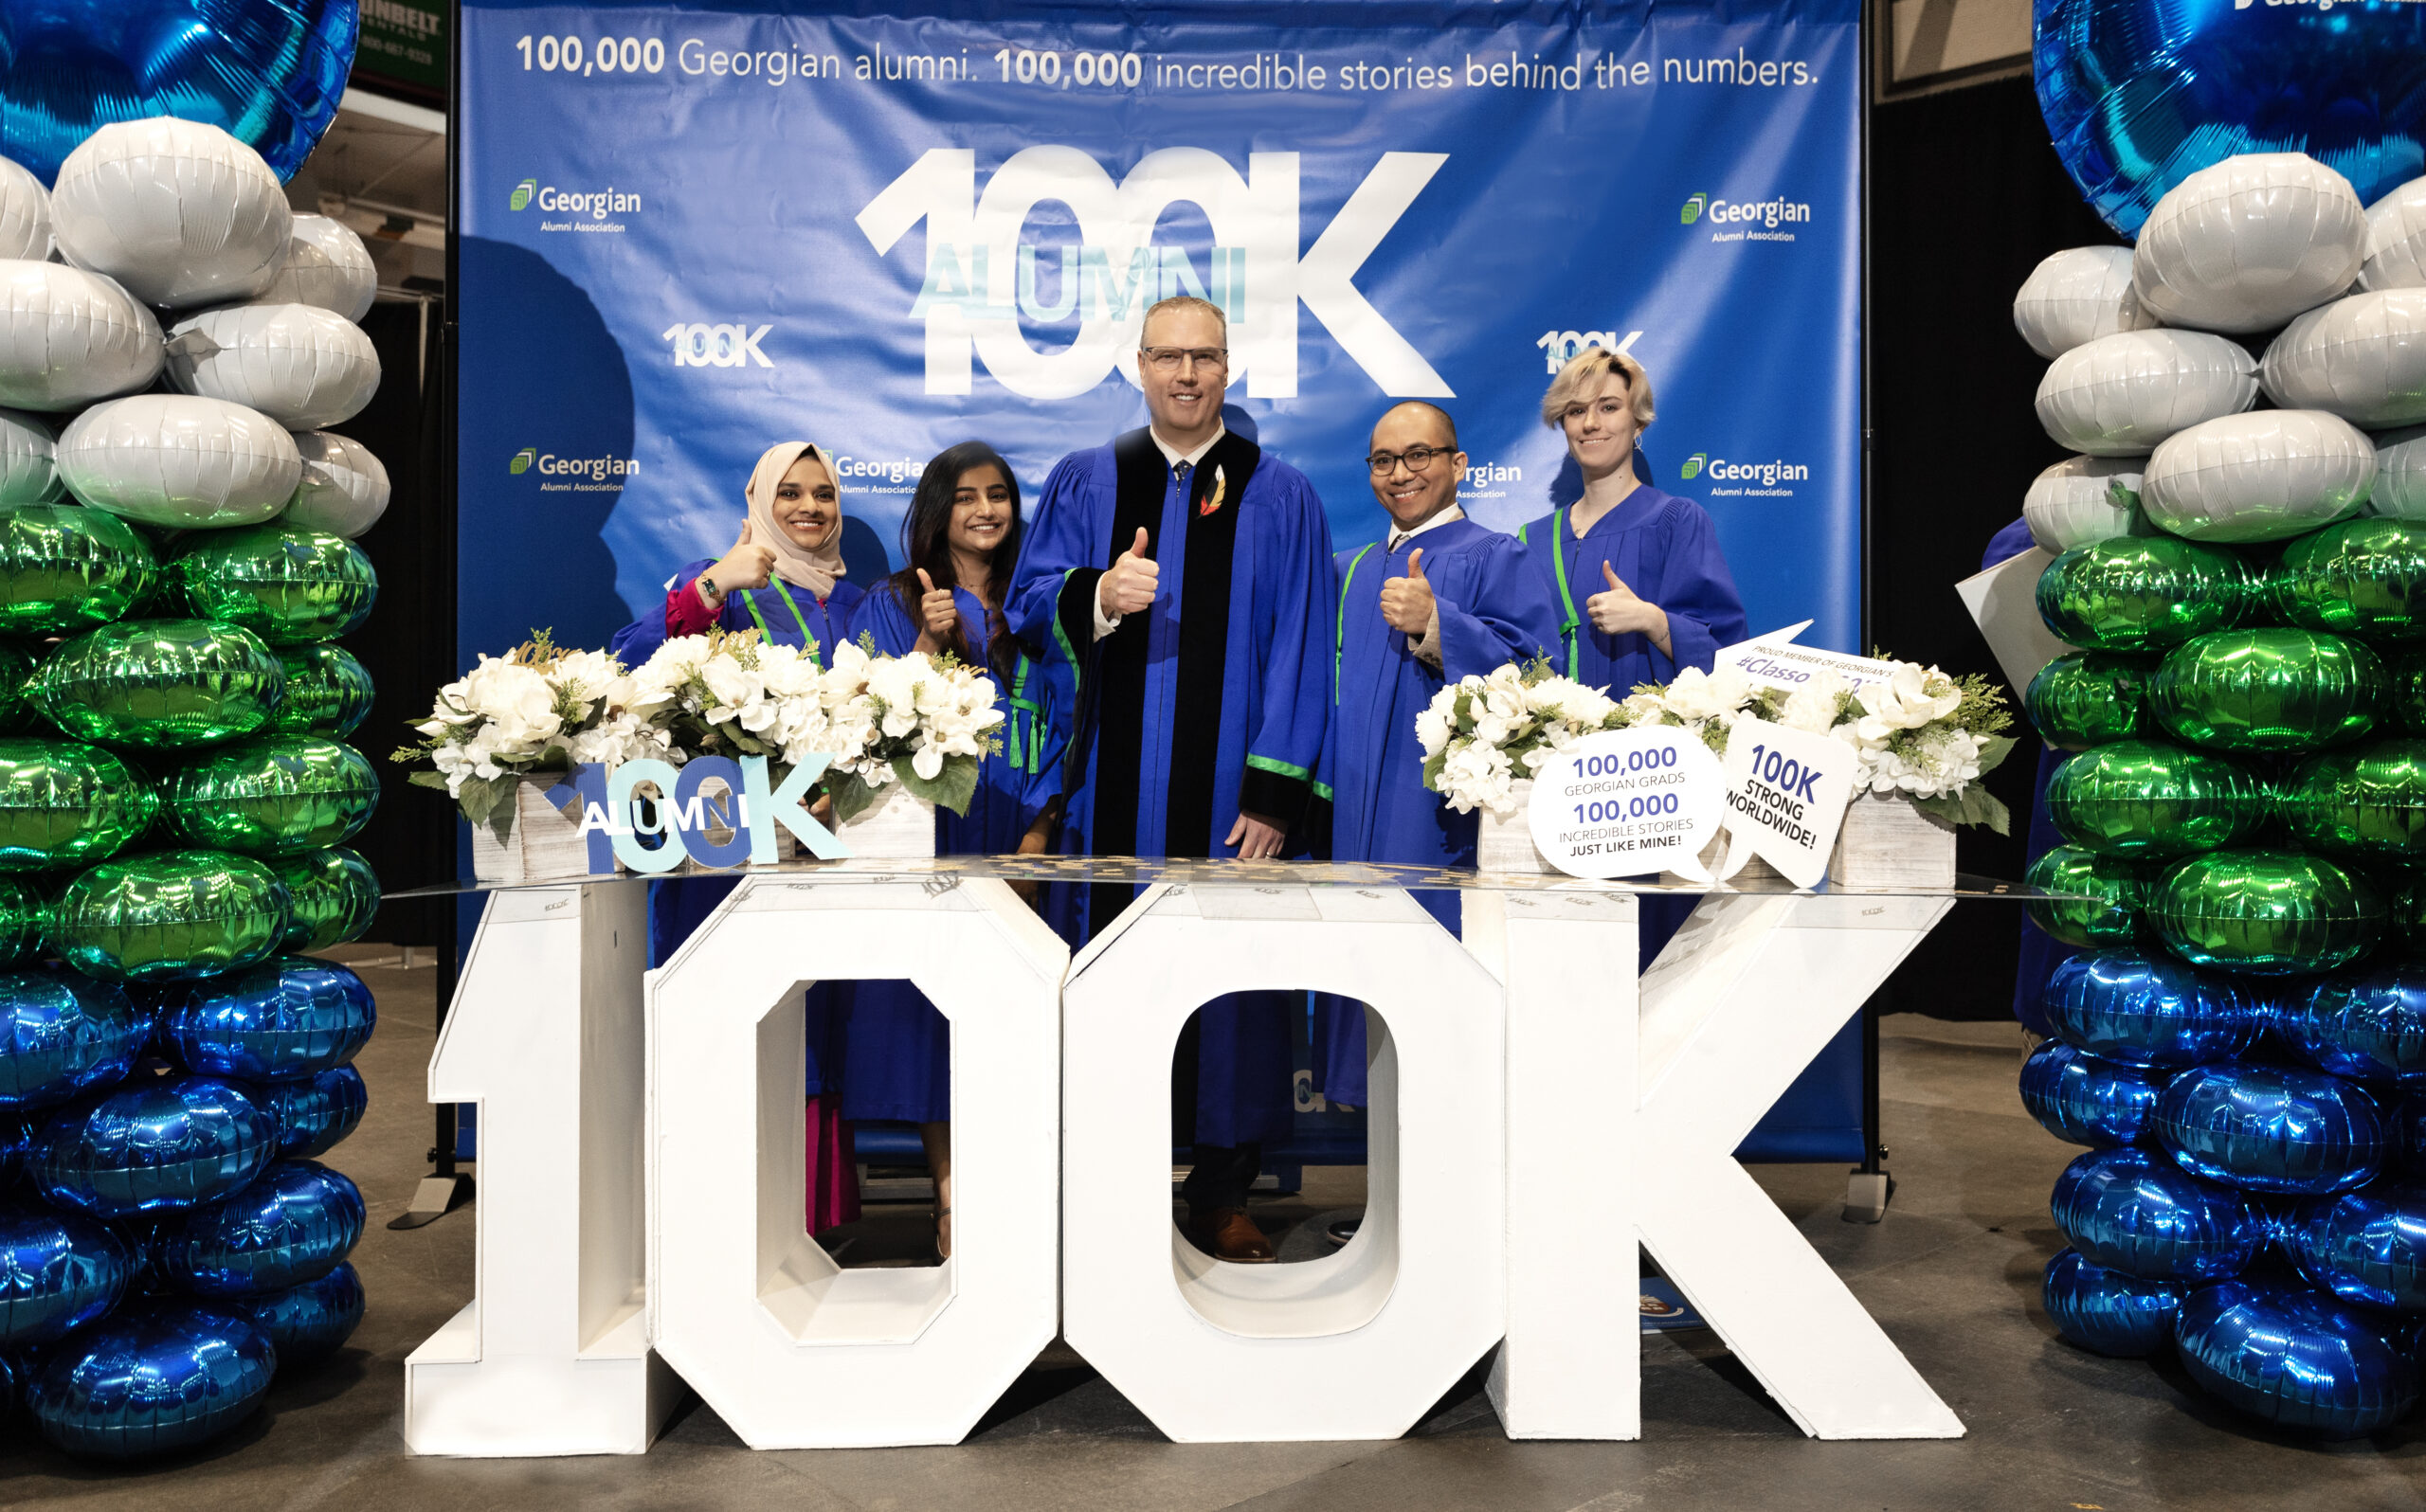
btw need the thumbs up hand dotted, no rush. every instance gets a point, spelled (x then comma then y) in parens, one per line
(749, 565)
(1134, 581)
(937, 613)
(1619, 611)
(1408, 602)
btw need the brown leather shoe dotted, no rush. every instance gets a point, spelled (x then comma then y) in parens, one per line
(1229, 1233)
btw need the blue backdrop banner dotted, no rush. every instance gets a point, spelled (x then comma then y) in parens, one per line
(689, 231)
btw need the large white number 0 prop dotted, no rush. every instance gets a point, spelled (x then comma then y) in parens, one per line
(551, 1355)
(1356, 1344)
(794, 1352)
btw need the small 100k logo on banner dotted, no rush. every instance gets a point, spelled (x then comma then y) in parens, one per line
(697, 344)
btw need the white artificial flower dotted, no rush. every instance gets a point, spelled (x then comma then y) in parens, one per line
(1813, 705)
(735, 687)
(1694, 694)
(1433, 725)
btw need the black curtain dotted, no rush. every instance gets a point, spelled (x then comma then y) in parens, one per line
(1966, 196)
(407, 642)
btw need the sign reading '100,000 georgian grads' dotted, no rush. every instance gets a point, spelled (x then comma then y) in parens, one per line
(689, 231)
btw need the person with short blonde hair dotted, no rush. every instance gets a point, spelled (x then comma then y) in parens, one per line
(1635, 576)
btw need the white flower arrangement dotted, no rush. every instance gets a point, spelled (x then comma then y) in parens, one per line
(923, 721)
(1483, 735)
(531, 715)
(1921, 734)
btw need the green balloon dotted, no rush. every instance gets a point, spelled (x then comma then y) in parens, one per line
(2266, 912)
(23, 916)
(335, 894)
(2406, 692)
(64, 568)
(2268, 690)
(285, 583)
(17, 664)
(2405, 914)
(274, 794)
(2088, 698)
(328, 691)
(2362, 577)
(2104, 901)
(2142, 800)
(163, 683)
(65, 804)
(2143, 592)
(170, 916)
(2370, 799)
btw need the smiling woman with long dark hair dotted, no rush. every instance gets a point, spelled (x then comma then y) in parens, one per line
(959, 542)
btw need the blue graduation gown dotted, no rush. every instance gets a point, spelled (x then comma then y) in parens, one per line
(2041, 952)
(895, 1048)
(1209, 702)
(1665, 548)
(1492, 613)
(793, 617)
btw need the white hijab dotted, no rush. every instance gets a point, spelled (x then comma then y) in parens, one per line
(812, 568)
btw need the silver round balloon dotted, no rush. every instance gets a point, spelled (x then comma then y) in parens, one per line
(2264, 476)
(344, 490)
(69, 338)
(24, 214)
(2399, 493)
(297, 363)
(180, 460)
(2083, 499)
(179, 211)
(29, 460)
(2120, 395)
(2362, 358)
(326, 265)
(2396, 256)
(2077, 296)
(2250, 243)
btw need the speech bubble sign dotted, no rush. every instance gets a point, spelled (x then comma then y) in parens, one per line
(1774, 659)
(1785, 797)
(1624, 802)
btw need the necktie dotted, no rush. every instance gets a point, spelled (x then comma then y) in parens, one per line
(1179, 469)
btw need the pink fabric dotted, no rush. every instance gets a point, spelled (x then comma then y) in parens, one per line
(833, 1174)
(686, 613)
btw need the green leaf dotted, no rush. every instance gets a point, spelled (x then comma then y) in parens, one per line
(851, 794)
(1432, 766)
(489, 801)
(1993, 750)
(1976, 806)
(436, 780)
(952, 789)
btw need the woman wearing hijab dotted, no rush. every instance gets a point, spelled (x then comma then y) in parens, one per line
(783, 578)
(960, 540)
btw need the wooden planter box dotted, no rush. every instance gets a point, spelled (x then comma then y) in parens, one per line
(899, 826)
(545, 843)
(1888, 844)
(1506, 844)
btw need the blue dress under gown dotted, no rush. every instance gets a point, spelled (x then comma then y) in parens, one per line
(1666, 549)
(788, 616)
(896, 1049)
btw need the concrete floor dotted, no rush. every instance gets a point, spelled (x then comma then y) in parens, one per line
(1952, 1274)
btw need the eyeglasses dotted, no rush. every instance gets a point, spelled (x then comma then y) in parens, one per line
(1168, 359)
(1415, 457)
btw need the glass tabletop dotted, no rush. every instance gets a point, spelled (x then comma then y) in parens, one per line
(1141, 871)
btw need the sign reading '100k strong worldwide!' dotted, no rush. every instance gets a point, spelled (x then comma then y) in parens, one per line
(691, 232)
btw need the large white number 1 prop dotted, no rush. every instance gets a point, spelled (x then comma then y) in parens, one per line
(551, 1355)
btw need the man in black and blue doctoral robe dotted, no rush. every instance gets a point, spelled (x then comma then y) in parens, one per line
(1187, 577)
(1438, 599)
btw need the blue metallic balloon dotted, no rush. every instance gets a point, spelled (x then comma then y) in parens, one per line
(2406, 1134)
(296, 1222)
(2300, 1360)
(2083, 1100)
(15, 1134)
(287, 1018)
(2368, 1246)
(2139, 1010)
(2141, 93)
(2137, 1212)
(2370, 1026)
(270, 73)
(62, 1033)
(312, 1320)
(58, 1271)
(314, 1116)
(167, 1142)
(2110, 1311)
(2271, 1128)
(160, 1376)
